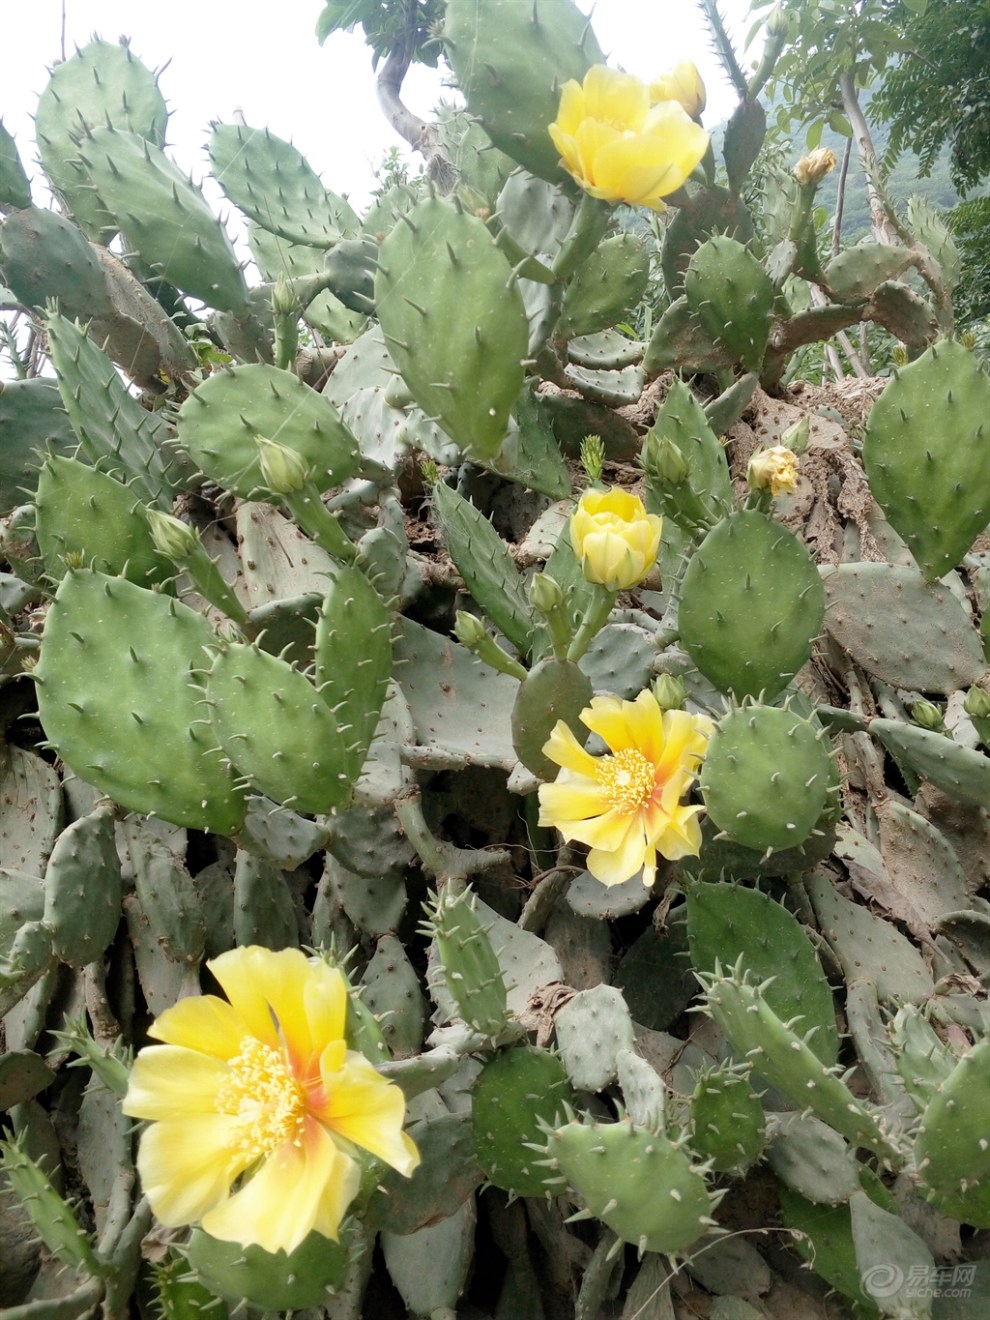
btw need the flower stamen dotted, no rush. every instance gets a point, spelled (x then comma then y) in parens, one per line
(628, 778)
(261, 1090)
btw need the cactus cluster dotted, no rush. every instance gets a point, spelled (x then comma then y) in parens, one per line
(300, 637)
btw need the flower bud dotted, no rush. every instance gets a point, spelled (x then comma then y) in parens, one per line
(285, 300)
(469, 630)
(682, 84)
(545, 593)
(977, 704)
(664, 461)
(593, 457)
(813, 167)
(172, 537)
(927, 716)
(670, 692)
(773, 469)
(614, 538)
(284, 470)
(796, 437)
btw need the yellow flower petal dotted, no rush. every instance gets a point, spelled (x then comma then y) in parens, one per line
(616, 867)
(202, 1022)
(296, 1186)
(170, 1082)
(366, 1109)
(568, 799)
(564, 750)
(187, 1167)
(614, 97)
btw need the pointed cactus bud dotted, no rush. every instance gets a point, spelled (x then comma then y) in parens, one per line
(283, 469)
(593, 457)
(670, 692)
(977, 707)
(811, 169)
(664, 461)
(472, 633)
(469, 630)
(796, 437)
(928, 716)
(545, 593)
(285, 301)
(773, 469)
(172, 537)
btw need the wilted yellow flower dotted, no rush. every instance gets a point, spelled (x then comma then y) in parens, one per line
(256, 1105)
(614, 537)
(619, 146)
(627, 805)
(813, 167)
(682, 84)
(774, 469)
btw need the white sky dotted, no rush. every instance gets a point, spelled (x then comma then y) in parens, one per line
(264, 60)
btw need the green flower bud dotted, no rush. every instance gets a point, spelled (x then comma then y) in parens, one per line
(283, 469)
(172, 537)
(927, 716)
(977, 704)
(670, 692)
(593, 457)
(796, 437)
(664, 461)
(285, 301)
(469, 630)
(545, 593)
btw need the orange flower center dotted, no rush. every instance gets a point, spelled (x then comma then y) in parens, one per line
(628, 779)
(261, 1090)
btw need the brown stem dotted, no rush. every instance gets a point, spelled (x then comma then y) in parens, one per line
(420, 135)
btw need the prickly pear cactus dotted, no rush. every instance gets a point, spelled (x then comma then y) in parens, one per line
(486, 559)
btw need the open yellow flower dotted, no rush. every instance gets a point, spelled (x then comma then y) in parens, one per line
(256, 1105)
(627, 805)
(614, 538)
(618, 145)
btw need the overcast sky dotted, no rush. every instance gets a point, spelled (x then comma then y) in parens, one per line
(265, 61)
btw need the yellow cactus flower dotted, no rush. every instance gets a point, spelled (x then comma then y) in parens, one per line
(256, 1105)
(813, 167)
(774, 469)
(614, 537)
(627, 806)
(682, 84)
(620, 147)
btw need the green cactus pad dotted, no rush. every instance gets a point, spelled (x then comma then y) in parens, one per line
(118, 704)
(510, 61)
(454, 322)
(752, 603)
(645, 1187)
(126, 440)
(519, 1091)
(679, 341)
(220, 421)
(45, 256)
(273, 184)
(552, 690)
(471, 969)
(592, 1028)
(353, 659)
(925, 454)
(952, 1150)
(959, 771)
(277, 730)
(164, 217)
(482, 559)
(83, 889)
(732, 296)
(727, 1121)
(856, 272)
(780, 1056)
(279, 1281)
(102, 83)
(89, 518)
(727, 922)
(765, 777)
(606, 288)
(32, 422)
(54, 1219)
(15, 187)
(888, 619)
